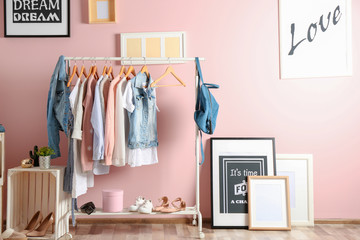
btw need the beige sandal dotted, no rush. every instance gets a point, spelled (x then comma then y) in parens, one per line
(176, 208)
(164, 204)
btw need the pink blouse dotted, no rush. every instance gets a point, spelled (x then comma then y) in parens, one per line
(88, 131)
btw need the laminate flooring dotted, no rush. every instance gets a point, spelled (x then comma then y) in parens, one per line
(121, 231)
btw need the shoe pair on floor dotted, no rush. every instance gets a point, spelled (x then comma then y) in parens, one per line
(143, 205)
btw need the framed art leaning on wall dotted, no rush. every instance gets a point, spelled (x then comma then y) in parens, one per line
(232, 160)
(269, 205)
(299, 169)
(46, 18)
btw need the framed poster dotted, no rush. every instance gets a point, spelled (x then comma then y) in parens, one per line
(299, 169)
(232, 160)
(152, 45)
(45, 18)
(269, 205)
(315, 38)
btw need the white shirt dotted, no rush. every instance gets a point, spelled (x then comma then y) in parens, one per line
(98, 137)
(138, 156)
(121, 124)
(73, 95)
(78, 112)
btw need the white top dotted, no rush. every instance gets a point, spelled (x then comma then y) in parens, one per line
(121, 125)
(78, 113)
(138, 156)
(102, 101)
(98, 137)
(73, 95)
(81, 181)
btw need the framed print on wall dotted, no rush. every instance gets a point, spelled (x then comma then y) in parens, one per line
(152, 45)
(299, 169)
(315, 38)
(45, 18)
(269, 205)
(232, 160)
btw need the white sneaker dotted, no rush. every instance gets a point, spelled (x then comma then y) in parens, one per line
(146, 207)
(139, 201)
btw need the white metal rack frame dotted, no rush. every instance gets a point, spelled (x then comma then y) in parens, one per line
(195, 211)
(2, 167)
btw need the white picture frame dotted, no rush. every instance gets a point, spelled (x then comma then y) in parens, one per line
(299, 169)
(253, 152)
(269, 203)
(315, 38)
(142, 37)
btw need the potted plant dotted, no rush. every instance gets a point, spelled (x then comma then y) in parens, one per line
(44, 156)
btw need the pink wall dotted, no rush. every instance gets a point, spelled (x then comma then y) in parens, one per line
(240, 43)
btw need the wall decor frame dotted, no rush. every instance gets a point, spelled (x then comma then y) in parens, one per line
(48, 18)
(232, 160)
(102, 11)
(152, 45)
(299, 169)
(269, 203)
(315, 38)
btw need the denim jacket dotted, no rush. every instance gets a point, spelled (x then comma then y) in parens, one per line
(143, 128)
(58, 106)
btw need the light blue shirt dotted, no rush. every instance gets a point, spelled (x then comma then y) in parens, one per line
(99, 133)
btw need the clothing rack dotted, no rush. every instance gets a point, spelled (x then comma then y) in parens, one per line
(195, 211)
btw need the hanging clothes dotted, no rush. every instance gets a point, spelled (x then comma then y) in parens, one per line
(98, 137)
(121, 124)
(109, 122)
(69, 170)
(58, 106)
(87, 134)
(140, 102)
(81, 180)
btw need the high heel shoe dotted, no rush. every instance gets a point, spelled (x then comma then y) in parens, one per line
(35, 220)
(44, 225)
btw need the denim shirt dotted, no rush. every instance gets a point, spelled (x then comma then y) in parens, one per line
(58, 106)
(143, 128)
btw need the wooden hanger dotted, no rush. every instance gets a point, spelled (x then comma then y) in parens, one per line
(104, 71)
(169, 69)
(83, 72)
(110, 72)
(131, 69)
(144, 69)
(75, 71)
(122, 70)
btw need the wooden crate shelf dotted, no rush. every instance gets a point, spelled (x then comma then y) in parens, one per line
(32, 189)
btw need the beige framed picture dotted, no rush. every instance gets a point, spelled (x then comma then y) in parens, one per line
(269, 203)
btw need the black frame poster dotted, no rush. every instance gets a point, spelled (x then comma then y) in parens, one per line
(43, 18)
(232, 161)
(233, 174)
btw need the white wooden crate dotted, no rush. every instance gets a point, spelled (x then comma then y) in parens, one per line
(30, 190)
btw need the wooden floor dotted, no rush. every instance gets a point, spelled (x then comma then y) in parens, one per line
(186, 231)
